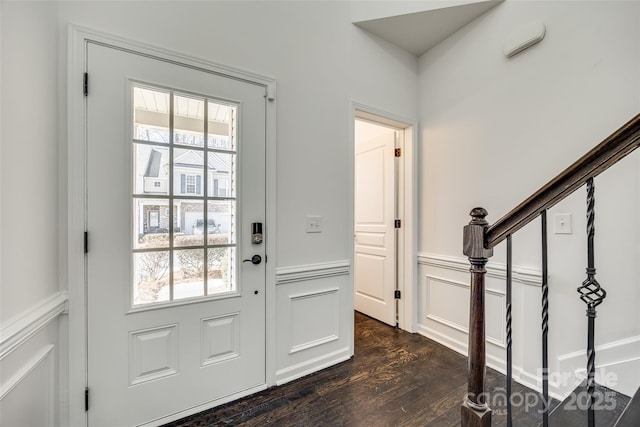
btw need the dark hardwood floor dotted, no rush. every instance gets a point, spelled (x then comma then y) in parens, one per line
(394, 379)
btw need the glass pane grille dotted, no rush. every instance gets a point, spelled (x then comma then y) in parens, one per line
(183, 190)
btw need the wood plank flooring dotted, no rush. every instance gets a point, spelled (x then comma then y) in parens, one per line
(610, 405)
(394, 379)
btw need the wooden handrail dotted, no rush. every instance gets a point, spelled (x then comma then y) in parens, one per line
(607, 153)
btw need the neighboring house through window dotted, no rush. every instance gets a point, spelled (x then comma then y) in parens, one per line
(190, 184)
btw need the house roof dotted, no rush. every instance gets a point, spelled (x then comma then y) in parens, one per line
(153, 166)
(187, 159)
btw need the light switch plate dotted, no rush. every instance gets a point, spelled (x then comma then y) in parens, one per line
(562, 223)
(314, 224)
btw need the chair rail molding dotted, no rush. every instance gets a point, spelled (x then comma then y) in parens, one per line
(305, 272)
(525, 275)
(18, 330)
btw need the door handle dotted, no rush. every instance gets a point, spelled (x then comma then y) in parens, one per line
(256, 259)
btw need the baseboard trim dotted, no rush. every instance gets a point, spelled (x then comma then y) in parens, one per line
(452, 344)
(611, 355)
(17, 331)
(519, 375)
(307, 367)
(301, 273)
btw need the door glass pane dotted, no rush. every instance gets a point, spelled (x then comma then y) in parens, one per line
(150, 169)
(221, 126)
(188, 168)
(221, 174)
(191, 224)
(188, 121)
(188, 273)
(151, 223)
(222, 213)
(183, 190)
(150, 277)
(150, 115)
(221, 264)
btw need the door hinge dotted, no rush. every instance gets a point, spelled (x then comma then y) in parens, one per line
(398, 152)
(397, 223)
(86, 242)
(397, 294)
(86, 399)
(85, 84)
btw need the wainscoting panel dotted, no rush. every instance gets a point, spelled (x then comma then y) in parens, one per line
(447, 303)
(29, 370)
(28, 398)
(443, 307)
(314, 318)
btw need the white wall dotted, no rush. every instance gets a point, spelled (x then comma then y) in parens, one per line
(321, 63)
(30, 302)
(494, 130)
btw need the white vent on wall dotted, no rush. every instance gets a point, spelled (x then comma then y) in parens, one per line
(523, 38)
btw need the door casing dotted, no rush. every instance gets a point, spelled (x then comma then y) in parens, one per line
(76, 206)
(406, 260)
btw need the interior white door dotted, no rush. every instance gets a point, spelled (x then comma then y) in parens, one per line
(175, 318)
(375, 236)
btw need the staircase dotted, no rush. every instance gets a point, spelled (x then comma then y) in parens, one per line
(631, 415)
(479, 240)
(572, 411)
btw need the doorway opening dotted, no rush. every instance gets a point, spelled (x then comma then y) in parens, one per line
(383, 217)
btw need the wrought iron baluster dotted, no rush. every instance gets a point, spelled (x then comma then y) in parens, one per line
(509, 330)
(591, 294)
(545, 323)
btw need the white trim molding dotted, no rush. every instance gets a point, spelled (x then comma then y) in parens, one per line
(302, 273)
(525, 275)
(332, 335)
(464, 328)
(316, 364)
(24, 372)
(617, 366)
(17, 331)
(407, 203)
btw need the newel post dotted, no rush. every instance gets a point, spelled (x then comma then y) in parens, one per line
(475, 411)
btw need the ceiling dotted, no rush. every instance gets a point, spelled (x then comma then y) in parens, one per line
(420, 25)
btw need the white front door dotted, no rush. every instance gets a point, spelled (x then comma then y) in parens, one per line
(175, 177)
(375, 236)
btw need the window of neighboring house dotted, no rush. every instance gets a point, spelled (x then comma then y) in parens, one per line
(190, 184)
(156, 184)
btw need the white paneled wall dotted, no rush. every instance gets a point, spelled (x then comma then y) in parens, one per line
(29, 362)
(443, 315)
(314, 319)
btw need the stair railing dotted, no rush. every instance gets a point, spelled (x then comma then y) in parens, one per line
(479, 240)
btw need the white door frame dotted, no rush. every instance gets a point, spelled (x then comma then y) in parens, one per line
(78, 38)
(407, 208)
